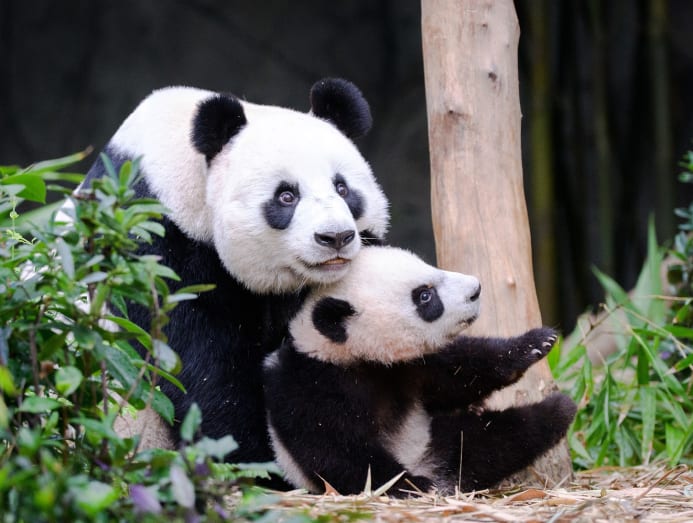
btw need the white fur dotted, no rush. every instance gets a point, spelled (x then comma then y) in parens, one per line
(223, 202)
(159, 130)
(410, 443)
(292, 471)
(386, 327)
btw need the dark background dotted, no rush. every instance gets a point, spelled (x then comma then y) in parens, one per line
(605, 88)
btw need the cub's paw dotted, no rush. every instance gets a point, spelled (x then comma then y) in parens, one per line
(557, 412)
(533, 345)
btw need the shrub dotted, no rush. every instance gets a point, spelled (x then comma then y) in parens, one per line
(68, 365)
(638, 406)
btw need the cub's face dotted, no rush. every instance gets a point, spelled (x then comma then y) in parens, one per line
(390, 307)
(297, 205)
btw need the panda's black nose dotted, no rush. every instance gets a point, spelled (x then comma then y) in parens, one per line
(336, 240)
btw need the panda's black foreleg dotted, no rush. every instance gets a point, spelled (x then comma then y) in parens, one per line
(471, 368)
(495, 444)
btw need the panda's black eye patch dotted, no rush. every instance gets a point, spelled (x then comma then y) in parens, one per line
(279, 210)
(428, 304)
(352, 197)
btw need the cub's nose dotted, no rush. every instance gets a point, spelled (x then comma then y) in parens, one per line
(335, 240)
(476, 294)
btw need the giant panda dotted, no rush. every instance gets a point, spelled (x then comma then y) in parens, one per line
(376, 376)
(264, 202)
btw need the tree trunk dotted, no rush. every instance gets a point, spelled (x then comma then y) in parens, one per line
(479, 213)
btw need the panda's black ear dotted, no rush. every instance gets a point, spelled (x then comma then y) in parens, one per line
(342, 103)
(218, 119)
(329, 315)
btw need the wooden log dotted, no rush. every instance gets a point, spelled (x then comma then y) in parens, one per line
(479, 213)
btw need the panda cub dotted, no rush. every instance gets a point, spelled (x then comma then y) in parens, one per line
(376, 375)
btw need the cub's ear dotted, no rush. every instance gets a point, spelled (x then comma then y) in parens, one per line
(329, 318)
(217, 120)
(342, 103)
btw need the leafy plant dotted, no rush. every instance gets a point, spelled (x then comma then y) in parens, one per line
(68, 364)
(637, 407)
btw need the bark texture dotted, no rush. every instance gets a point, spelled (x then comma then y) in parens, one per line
(479, 212)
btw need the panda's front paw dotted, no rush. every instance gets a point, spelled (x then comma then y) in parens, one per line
(533, 345)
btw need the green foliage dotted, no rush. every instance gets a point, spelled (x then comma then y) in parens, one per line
(638, 407)
(69, 364)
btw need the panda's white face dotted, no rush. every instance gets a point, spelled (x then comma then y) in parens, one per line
(290, 197)
(390, 307)
(285, 196)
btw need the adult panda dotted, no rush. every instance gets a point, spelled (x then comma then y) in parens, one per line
(376, 377)
(264, 202)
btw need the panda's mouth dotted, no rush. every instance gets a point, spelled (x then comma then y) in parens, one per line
(333, 264)
(463, 324)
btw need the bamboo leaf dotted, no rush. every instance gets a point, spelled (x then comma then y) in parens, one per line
(191, 423)
(648, 407)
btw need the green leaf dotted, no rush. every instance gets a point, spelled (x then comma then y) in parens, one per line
(34, 188)
(166, 357)
(57, 163)
(674, 437)
(182, 488)
(68, 379)
(643, 368)
(217, 448)
(162, 406)
(100, 428)
(191, 423)
(197, 289)
(38, 405)
(613, 289)
(94, 497)
(6, 380)
(93, 277)
(66, 259)
(180, 296)
(120, 366)
(128, 326)
(648, 407)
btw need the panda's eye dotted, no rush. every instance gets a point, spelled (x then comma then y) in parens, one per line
(425, 295)
(287, 198)
(342, 189)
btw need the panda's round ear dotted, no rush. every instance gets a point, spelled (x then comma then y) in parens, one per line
(329, 318)
(217, 120)
(342, 103)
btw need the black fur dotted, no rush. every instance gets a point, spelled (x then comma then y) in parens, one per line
(333, 419)
(329, 316)
(217, 120)
(342, 103)
(368, 238)
(277, 214)
(353, 199)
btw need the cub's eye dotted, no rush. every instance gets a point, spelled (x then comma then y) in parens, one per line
(425, 295)
(342, 189)
(287, 198)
